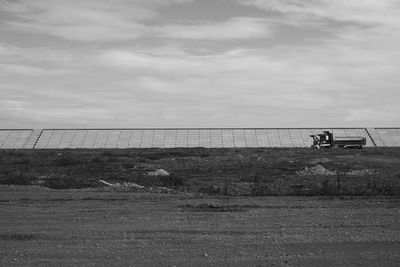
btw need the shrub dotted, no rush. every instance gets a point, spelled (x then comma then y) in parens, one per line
(107, 153)
(111, 159)
(327, 188)
(65, 182)
(322, 187)
(96, 160)
(63, 161)
(128, 165)
(260, 185)
(16, 178)
(22, 161)
(209, 190)
(171, 180)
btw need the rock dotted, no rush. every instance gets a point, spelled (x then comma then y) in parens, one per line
(159, 172)
(317, 170)
(127, 184)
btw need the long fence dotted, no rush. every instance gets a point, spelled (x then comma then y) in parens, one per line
(181, 137)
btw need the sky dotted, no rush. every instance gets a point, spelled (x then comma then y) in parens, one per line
(199, 63)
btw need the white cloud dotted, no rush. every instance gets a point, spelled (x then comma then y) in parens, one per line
(251, 72)
(235, 28)
(26, 70)
(120, 21)
(366, 12)
(251, 76)
(81, 25)
(12, 105)
(11, 53)
(34, 61)
(88, 20)
(334, 76)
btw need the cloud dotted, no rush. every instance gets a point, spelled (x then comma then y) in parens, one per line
(125, 60)
(303, 59)
(34, 61)
(365, 12)
(243, 74)
(81, 21)
(335, 75)
(12, 53)
(23, 69)
(88, 20)
(12, 105)
(234, 28)
(122, 20)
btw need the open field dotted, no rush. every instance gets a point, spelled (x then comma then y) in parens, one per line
(228, 207)
(42, 227)
(245, 172)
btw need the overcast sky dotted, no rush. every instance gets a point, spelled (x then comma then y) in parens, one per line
(199, 63)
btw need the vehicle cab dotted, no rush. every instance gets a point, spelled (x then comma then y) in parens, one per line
(323, 140)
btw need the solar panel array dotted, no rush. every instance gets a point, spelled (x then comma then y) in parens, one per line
(170, 138)
(13, 139)
(388, 137)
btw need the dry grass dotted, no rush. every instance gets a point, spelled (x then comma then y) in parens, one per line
(255, 172)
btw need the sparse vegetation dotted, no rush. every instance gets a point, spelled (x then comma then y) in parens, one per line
(15, 177)
(252, 172)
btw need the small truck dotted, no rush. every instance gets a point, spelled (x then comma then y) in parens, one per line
(327, 140)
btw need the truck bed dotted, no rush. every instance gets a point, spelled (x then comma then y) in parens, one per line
(349, 140)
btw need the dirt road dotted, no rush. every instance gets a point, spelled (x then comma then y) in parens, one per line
(42, 227)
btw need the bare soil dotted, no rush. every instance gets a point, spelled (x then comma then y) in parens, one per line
(91, 227)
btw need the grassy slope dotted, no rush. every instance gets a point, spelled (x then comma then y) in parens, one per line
(219, 171)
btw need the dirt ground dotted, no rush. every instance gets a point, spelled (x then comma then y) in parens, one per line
(91, 227)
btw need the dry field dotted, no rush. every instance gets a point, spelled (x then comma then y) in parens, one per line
(234, 172)
(214, 213)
